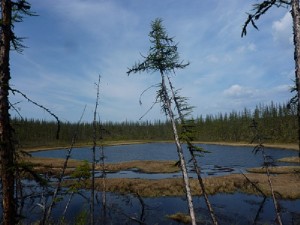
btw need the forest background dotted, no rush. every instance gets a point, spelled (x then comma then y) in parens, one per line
(277, 123)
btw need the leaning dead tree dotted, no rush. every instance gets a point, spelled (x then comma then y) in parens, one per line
(267, 162)
(186, 136)
(164, 59)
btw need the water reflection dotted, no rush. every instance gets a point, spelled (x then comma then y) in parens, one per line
(234, 208)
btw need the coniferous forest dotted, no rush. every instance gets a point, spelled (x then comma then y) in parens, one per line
(277, 122)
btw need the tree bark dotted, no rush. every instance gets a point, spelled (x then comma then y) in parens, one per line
(197, 169)
(168, 106)
(296, 31)
(6, 145)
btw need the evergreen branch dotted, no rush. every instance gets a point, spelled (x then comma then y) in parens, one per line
(42, 107)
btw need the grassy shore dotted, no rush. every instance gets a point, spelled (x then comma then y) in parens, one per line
(285, 179)
(54, 165)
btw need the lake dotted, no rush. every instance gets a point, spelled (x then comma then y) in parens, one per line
(236, 208)
(221, 160)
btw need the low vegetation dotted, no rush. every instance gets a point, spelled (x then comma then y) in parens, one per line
(276, 170)
(225, 184)
(174, 186)
(180, 217)
(54, 165)
(290, 159)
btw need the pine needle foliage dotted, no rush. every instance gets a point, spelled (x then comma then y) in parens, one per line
(162, 56)
(164, 59)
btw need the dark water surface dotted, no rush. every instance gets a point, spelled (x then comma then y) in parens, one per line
(220, 161)
(236, 208)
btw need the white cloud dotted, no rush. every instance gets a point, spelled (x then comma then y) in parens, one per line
(250, 47)
(282, 29)
(238, 91)
(74, 41)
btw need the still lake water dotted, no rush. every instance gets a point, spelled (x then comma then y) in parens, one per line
(220, 161)
(237, 208)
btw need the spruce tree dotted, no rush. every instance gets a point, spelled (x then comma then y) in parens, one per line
(164, 59)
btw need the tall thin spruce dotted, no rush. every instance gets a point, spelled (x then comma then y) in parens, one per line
(6, 145)
(259, 10)
(10, 12)
(163, 58)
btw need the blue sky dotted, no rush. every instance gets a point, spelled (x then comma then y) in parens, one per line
(70, 43)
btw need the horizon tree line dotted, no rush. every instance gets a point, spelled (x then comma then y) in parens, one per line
(278, 122)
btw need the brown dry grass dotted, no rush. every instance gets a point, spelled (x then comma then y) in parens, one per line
(286, 184)
(276, 169)
(51, 165)
(144, 166)
(180, 217)
(294, 159)
(225, 184)
(54, 165)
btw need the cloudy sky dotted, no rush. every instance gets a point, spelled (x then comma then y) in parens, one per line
(71, 43)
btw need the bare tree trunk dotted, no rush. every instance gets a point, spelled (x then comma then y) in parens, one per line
(94, 156)
(6, 145)
(168, 108)
(278, 217)
(296, 30)
(197, 169)
(103, 185)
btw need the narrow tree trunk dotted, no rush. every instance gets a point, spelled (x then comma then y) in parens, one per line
(296, 30)
(94, 157)
(277, 211)
(167, 103)
(7, 148)
(198, 172)
(103, 185)
(201, 183)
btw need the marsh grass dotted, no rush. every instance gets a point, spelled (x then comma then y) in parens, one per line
(286, 185)
(286, 180)
(276, 170)
(294, 159)
(54, 164)
(180, 217)
(145, 166)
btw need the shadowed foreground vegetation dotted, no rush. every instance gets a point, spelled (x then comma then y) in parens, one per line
(225, 184)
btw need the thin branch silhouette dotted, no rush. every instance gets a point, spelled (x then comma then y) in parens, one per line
(40, 106)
